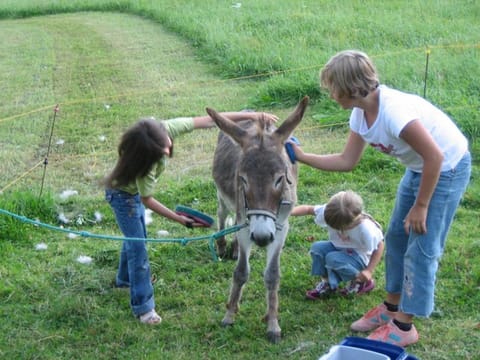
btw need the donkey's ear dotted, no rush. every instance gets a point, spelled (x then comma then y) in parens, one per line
(287, 127)
(228, 126)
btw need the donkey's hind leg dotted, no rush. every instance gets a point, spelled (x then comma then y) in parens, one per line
(222, 213)
(240, 277)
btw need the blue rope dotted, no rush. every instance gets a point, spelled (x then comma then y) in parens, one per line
(184, 241)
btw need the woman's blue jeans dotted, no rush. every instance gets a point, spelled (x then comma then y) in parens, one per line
(134, 267)
(334, 264)
(411, 261)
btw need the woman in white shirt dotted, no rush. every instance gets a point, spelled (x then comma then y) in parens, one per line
(438, 166)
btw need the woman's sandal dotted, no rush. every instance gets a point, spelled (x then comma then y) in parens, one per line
(150, 318)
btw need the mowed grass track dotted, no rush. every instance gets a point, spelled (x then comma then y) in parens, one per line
(104, 72)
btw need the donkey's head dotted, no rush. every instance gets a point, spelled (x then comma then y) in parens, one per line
(264, 176)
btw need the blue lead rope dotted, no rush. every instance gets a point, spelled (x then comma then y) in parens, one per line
(182, 241)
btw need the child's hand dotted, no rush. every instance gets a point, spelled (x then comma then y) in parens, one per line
(363, 276)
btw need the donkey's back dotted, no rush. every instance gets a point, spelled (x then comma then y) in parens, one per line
(225, 163)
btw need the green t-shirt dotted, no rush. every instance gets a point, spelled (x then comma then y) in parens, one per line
(145, 185)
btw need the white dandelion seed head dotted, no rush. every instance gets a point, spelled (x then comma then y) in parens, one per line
(41, 246)
(63, 219)
(98, 216)
(83, 259)
(162, 233)
(67, 193)
(148, 216)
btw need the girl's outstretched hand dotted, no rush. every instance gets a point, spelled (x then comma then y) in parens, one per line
(267, 117)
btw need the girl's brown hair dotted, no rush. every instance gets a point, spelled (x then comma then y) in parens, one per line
(140, 147)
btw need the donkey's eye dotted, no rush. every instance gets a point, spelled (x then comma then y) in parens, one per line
(279, 181)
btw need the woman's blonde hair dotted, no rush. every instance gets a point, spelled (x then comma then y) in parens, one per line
(349, 73)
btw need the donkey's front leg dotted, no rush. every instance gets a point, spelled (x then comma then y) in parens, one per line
(240, 277)
(272, 282)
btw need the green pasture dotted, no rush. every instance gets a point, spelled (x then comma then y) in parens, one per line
(107, 63)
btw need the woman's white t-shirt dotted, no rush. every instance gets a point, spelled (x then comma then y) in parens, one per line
(363, 238)
(396, 110)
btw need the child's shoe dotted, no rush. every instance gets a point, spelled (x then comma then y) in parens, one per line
(322, 289)
(358, 288)
(376, 317)
(391, 334)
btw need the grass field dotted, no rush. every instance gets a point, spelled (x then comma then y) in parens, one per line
(105, 66)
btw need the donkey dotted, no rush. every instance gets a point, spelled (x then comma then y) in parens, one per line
(255, 178)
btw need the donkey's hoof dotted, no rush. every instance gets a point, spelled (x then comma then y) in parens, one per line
(227, 322)
(222, 250)
(274, 337)
(229, 253)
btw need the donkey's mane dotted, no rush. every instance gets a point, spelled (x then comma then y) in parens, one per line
(260, 130)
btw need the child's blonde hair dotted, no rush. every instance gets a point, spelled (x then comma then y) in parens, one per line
(345, 210)
(349, 73)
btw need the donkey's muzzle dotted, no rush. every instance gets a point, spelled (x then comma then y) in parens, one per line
(262, 227)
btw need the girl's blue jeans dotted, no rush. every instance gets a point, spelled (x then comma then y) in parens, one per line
(411, 261)
(134, 267)
(334, 264)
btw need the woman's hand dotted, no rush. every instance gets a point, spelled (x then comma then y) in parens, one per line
(297, 150)
(416, 219)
